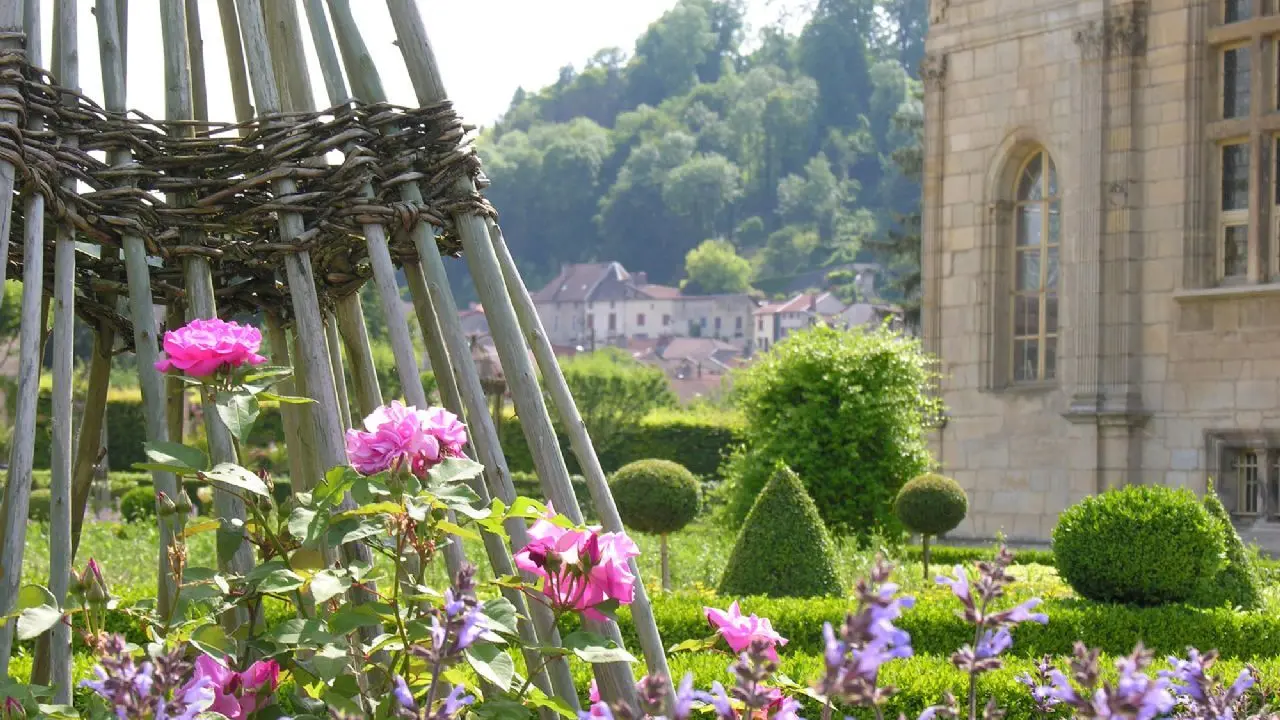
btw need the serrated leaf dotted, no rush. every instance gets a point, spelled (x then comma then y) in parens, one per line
(351, 617)
(458, 530)
(296, 631)
(233, 476)
(595, 648)
(337, 481)
(370, 509)
(539, 699)
(35, 621)
(229, 537)
(33, 596)
(455, 470)
(266, 372)
(238, 410)
(330, 661)
(273, 577)
(501, 709)
(492, 664)
(58, 712)
(695, 645)
(527, 508)
(500, 615)
(308, 526)
(352, 530)
(326, 585)
(173, 457)
(212, 640)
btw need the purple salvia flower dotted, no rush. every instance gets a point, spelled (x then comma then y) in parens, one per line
(454, 704)
(788, 711)
(717, 699)
(400, 690)
(682, 708)
(993, 643)
(1019, 614)
(959, 584)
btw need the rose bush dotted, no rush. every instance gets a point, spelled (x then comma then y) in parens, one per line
(368, 644)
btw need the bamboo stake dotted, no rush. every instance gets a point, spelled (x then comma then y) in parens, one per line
(235, 559)
(18, 489)
(140, 306)
(67, 69)
(483, 438)
(299, 450)
(355, 336)
(330, 69)
(89, 444)
(641, 611)
(339, 376)
(615, 679)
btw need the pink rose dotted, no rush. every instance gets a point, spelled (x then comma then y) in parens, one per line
(204, 346)
(740, 631)
(580, 569)
(258, 683)
(397, 436)
(223, 680)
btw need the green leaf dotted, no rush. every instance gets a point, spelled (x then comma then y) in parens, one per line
(238, 410)
(695, 645)
(493, 664)
(501, 709)
(453, 529)
(38, 611)
(455, 470)
(212, 640)
(203, 525)
(308, 526)
(354, 529)
(268, 371)
(290, 399)
(526, 508)
(335, 485)
(539, 699)
(273, 577)
(327, 585)
(296, 631)
(58, 712)
(371, 509)
(500, 615)
(595, 648)
(229, 536)
(173, 457)
(351, 617)
(234, 476)
(330, 661)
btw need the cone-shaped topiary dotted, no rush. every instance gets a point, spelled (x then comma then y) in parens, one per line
(1238, 583)
(783, 548)
(931, 505)
(658, 497)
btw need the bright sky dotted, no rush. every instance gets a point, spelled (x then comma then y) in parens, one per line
(486, 48)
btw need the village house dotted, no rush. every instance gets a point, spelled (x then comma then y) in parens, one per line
(1100, 268)
(596, 304)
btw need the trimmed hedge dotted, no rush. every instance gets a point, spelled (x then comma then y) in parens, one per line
(696, 440)
(936, 629)
(947, 555)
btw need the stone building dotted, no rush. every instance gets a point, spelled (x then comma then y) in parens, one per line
(1102, 252)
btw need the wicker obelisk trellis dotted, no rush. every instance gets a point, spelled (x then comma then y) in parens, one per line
(206, 217)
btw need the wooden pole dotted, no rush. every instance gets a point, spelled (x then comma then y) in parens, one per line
(580, 442)
(483, 438)
(339, 374)
(176, 398)
(330, 69)
(355, 336)
(235, 559)
(67, 70)
(301, 449)
(195, 48)
(89, 444)
(140, 305)
(235, 60)
(11, 38)
(18, 489)
(614, 679)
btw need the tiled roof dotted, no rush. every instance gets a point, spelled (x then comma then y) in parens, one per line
(661, 292)
(573, 284)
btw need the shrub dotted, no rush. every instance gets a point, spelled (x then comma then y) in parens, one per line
(1238, 583)
(948, 556)
(613, 392)
(657, 497)
(1145, 545)
(783, 548)
(846, 410)
(931, 505)
(138, 504)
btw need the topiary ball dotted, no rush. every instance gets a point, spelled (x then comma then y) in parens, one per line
(931, 504)
(138, 504)
(1144, 545)
(655, 496)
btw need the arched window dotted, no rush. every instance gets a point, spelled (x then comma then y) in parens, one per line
(1034, 301)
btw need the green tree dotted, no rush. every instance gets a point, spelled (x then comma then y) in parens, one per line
(846, 410)
(670, 52)
(833, 51)
(614, 392)
(714, 267)
(700, 190)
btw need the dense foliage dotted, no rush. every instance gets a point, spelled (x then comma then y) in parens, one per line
(613, 392)
(846, 411)
(785, 151)
(1143, 544)
(931, 504)
(783, 548)
(656, 496)
(138, 504)
(1238, 583)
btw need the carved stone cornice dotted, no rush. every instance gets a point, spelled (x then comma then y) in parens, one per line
(933, 71)
(999, 210)
(1123, 32)
(938, 13)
